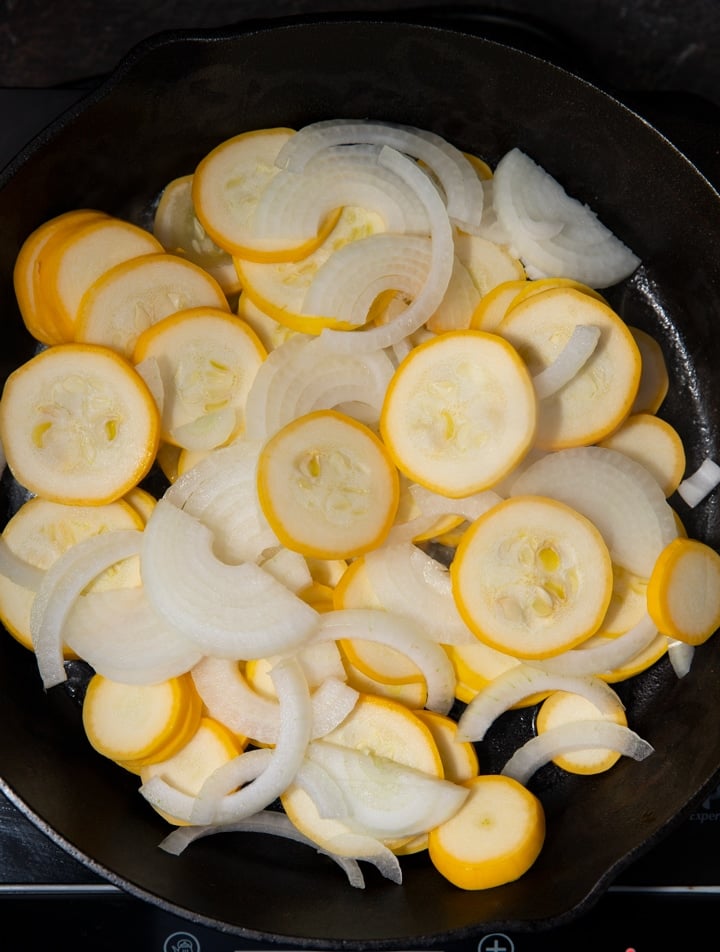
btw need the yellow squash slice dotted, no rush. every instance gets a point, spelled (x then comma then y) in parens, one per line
(134, 295)
(600, 395)
(78, 425)
(683, 593)
(494, 837)
(226, 187)
(327, 486)
(532, 577)
(35, 310)
(207, 359)
(459, 412)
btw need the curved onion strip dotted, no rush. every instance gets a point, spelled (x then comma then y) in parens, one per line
(553, 233)
(353, 276)
(600, 659)
(17, 570)
(167, 799)
(681, 656)
(403, 634)
(437, 279)
(617, 494)
(520, 682)
(230, 699)
(294, 205)
(409, 582)
(459, 181)
(324, 790)
(220, 491)
(234, 611)
(571, 359)
(215, 803)
(288, 567)
(387, 799)
(303, 378)
(119, 634)
(433, 505)
(66, 578)
(699, 484)
(576, 735)
(278, 824)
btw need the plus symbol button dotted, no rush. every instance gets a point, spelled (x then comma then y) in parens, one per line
(497, 942)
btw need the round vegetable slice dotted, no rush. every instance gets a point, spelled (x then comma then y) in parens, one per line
(654, 379)
(132, 722)
(493, 306)
(327, 486)
(389, 729)
(599, 397)
(459, 412)
(683, 592)
(78, 425)
(207, 360)
(131, 296)
(656, 444)
(494, 837)
(35, 310)
(227, 185)
(532, 577)
(563, 707)
(74, 260)
(178, 229)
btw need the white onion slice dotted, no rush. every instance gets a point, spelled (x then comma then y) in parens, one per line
(346, 285)
(409, 582)
(66, 578)
(119, 634)
(681, 656)
(437, 278)
(433, 506)
(325, 792)
(576, 735)
(553, 233)
(615, 492)
(403, 634)
(698, 485)
(17, 570)
(571, 359)
(234, 611)
(294, 205)
(215, 803)
(459, 181)
(300, 376)
(171, 801)
(520, 682)
(272, 823)
(220, 491)
(386, 798)
(600, 659)
(230, 699)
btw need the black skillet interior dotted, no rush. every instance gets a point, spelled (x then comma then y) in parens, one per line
(171, 100)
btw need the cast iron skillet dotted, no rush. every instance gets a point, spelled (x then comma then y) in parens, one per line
(170, 101)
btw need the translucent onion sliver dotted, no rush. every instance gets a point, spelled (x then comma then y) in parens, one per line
(573, 736)
(62, 584)
(520, 682)
(403, 634)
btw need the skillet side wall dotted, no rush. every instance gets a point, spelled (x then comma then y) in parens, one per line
(170, 102)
